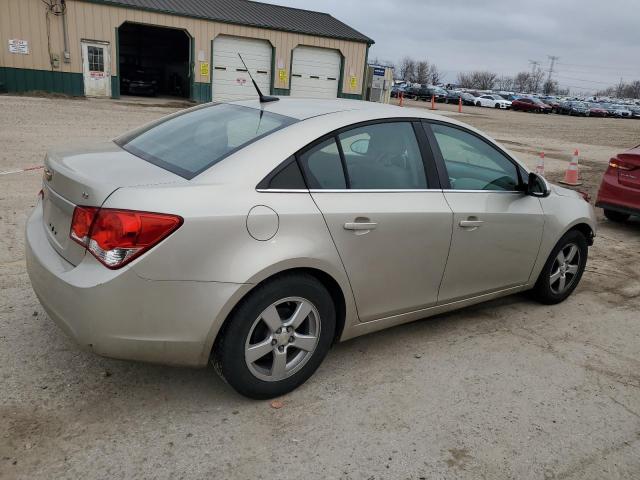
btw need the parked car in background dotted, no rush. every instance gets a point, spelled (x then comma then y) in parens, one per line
(511, 97)
(564, 108)
(530, 105)
(425, 92)
(468, 99)
(242, 234)
(140, 81)
(619, 193)
(396, 91)
(596, 110)
(493, 101)
(580, 109)
(554, 103)
(620, 111)
(438, 93)
(635, 111)
(453, 96)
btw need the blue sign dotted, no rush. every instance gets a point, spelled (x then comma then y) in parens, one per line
(378, 71)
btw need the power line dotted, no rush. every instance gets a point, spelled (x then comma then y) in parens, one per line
(592, 66)
(584, 80)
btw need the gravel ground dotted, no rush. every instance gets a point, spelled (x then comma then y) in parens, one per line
(505, 390)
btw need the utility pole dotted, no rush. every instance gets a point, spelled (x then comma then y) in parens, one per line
(552, 60)
(534, 66)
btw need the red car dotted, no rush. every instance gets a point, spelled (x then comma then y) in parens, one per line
(619, 193)
(530, 105)
(597, 111)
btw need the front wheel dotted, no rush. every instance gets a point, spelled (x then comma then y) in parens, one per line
(277, 337)
(562, 271)
(478, 104)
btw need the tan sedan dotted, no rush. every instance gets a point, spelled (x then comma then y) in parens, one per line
(253, 236)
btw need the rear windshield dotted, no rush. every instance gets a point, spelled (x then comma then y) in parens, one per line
(189, 143)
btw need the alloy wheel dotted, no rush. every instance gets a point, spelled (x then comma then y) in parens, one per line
(282, 339)
(564, 269)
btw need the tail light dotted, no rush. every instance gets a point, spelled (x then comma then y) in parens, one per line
(620, 165)
(116, 237)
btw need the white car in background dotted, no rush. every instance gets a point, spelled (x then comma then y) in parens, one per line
(493, 101)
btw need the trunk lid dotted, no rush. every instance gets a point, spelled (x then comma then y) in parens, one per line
(630, 175)
(87, 177)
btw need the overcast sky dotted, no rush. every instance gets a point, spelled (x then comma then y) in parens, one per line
(597, 41)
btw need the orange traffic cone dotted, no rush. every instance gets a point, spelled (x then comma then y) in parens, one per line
(433, 102)
(571, 175)
(540, 166)
(459, 104)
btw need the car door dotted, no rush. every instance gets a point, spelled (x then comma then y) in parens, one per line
(378, 190)
(497, 229)
(486, 101)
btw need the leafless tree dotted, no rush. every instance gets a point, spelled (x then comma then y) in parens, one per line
(622, 90)
(465, 80)
(521, 82)
(408, 69)
(536, 78)
(550, 87)
(422, 72)
(435, 76)
(484, 80)
(504, 83)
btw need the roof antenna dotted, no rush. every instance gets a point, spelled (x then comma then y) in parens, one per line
(263, 98)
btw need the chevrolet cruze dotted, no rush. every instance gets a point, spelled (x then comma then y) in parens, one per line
(254, 235)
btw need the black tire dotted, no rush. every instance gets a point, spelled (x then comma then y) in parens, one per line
(229, 352)
(543, 291)
(478, 104)
(616, 216)
(497, 105)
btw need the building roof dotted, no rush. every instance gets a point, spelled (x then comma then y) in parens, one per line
(255, 14)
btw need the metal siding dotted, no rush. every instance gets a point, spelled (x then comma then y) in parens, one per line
(94, 21)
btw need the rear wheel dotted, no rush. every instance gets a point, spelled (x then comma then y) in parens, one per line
(562, 271)
(277, 337)
(616, 216)
(478, 104)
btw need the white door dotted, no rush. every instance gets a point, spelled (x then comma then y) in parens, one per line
(230, 80)
(315, 72)
(96, 63)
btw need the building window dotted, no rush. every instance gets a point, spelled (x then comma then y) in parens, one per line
(96, 59)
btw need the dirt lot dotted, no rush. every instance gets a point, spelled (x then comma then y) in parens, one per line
(506, 390)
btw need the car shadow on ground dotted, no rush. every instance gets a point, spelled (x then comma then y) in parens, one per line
(105, 383)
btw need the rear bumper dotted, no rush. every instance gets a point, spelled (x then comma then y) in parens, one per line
(116, 313)
(614, 196)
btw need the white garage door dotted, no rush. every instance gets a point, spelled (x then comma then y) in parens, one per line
(315, 72)
(230, 80)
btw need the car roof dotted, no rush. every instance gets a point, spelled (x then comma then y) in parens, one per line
(304, 108)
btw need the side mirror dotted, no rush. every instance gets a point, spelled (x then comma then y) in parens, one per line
(537, 186)
(360, 146)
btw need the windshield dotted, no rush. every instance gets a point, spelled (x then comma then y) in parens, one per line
(190, 142)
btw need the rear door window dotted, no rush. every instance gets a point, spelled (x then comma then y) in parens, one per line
(322, 166)
(189, 143)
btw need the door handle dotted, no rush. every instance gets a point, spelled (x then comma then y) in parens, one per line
(471, 224)
(360, 225)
